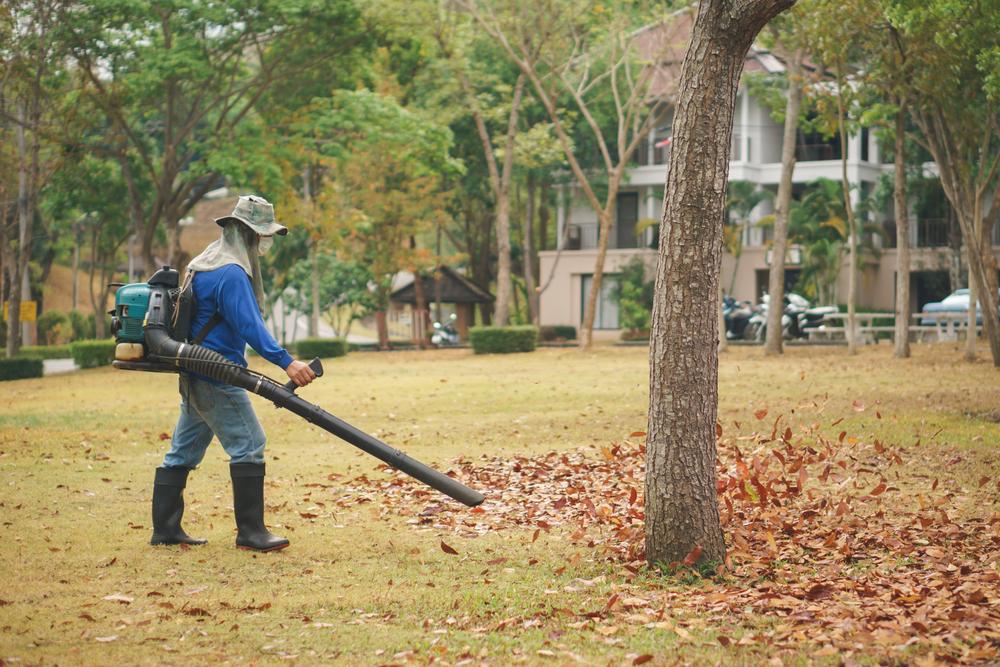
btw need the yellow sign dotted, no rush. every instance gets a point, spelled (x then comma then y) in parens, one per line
(29, 311)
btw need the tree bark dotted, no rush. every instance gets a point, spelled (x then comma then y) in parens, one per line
(527, 258)
(902, 334)
(682, 513)
(776, 276)
(382, 326)
(970, 333)
(851, 332)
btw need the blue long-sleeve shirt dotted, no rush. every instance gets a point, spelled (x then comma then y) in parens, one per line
(228, 291)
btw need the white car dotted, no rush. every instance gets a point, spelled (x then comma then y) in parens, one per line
(956, 302)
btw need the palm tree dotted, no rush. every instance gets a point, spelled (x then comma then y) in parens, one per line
(818, 223)
(742, 198)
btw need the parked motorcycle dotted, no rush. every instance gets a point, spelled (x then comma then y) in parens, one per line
(736, 315)
(445, 335)
(796, 319)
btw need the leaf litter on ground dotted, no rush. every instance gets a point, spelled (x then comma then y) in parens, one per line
(835, 542)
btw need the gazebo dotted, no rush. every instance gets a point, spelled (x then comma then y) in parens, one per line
(444, 286)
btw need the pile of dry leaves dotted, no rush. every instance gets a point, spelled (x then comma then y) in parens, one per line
(838, 542)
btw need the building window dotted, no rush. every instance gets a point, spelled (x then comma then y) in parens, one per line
(606, 316)
(626, 217)
(864, 144)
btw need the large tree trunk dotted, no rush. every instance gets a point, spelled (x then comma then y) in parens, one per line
(682, 513)
(902, 334)
(776, 277)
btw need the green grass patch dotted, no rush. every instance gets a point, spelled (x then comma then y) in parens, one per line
(363, 583)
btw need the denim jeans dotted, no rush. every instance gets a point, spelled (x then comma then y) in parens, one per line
(209, 409)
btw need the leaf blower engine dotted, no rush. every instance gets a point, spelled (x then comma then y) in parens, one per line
(151, 323)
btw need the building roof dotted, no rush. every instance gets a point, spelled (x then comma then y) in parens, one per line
(665, 45)
(455, 288)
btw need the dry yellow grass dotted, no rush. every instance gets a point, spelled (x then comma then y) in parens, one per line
(359, 585)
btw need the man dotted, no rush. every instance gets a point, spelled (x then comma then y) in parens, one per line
(228, 300)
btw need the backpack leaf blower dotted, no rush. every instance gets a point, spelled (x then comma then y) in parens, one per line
(150, 317)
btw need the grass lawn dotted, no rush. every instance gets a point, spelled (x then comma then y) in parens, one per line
(367, 580)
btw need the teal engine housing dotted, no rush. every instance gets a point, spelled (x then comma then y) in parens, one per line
(131, 304)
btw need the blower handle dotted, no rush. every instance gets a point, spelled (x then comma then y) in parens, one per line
(317, 367)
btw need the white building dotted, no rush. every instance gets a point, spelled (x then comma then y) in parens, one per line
(756, 158)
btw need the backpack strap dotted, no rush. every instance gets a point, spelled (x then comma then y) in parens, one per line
(213, 322)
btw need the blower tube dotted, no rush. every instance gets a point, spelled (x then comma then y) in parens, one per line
(197, 359)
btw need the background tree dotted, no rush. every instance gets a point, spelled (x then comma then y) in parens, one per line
(790, 41)
(586, 53)
(30, 59)
(952, 54)
(742, 198)
(181, 83)
(682, 513)
(385, 166)
(831, 26)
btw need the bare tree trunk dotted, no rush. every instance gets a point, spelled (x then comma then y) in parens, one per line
(527, 260)
(24, 220)
(682, 512)
(970, 333)
(776, 277)
(902, 334)
(382, 326)
(501, 311)
(307, 195)
(587, 334)
(852, 228)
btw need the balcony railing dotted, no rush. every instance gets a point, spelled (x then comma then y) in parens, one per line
(931, 233)
(816, 152)
(585, 236)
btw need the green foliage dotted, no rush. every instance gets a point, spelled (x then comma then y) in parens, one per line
(82, 325)
(503, 340)
(93, 353)
(46, 351)
(324, 348)
(344, 296)
(20, 368)
(557, 332)
(635, 297)
(53, 327)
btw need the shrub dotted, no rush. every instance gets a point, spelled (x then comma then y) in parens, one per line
(557, 332)
(46, 352)
(321, 347)
(20, 367)
(635, 298)
(54, 327)
(83, 327)
(501, 340)
(93, 353)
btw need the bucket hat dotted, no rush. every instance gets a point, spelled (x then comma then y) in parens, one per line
(256, 213)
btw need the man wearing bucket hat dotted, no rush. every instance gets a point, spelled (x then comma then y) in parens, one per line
(229, 299)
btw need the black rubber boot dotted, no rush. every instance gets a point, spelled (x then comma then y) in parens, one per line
(248, 504)
(168, 507)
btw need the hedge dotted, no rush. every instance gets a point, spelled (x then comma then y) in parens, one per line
(501, 340)
(557, 332)
(46, 351)
(323, 348)
(20, 367)
(94, 352)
